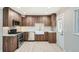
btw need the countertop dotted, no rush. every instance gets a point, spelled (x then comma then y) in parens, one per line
(36, 32)
(9, 34)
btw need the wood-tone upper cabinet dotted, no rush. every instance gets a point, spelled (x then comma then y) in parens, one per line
(24, 21)
(45, 19)
(53, 20)
(10, 43)
(52, 37)
(9, 15)
(25, 36)
(29, 21)
(5, 16)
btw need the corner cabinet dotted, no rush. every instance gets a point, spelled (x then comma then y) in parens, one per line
(10, 43)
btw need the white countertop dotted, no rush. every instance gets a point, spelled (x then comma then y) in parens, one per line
(39, 32)
(9, 34)
(51, 31)
(36, 32)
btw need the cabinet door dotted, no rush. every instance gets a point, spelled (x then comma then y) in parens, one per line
(45, 20)
(9, 44)
(29, 21)
(5, 44)
(46, 36)
(14, 43)
(5, 16)
(25, 35)
(24, 22)
(52, 37)
(53, 21)
(36, 37)
(39, 38)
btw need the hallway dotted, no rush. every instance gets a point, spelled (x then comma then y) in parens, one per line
(39, 47)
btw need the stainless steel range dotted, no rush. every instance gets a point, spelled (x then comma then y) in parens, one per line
(20, 38)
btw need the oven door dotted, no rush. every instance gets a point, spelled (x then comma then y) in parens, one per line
(20, 39)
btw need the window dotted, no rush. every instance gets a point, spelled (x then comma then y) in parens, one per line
(76, 27)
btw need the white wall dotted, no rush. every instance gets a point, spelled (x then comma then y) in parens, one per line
(71, 41)
(1, 18)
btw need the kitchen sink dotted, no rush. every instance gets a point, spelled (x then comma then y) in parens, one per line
(39, 32)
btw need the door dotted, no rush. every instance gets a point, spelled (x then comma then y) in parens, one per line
(60, 30)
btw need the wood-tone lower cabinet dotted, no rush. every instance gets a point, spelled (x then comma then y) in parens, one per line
(39, 37)
(9, 43)
(46, 36)
(52, 37)
(25, 35)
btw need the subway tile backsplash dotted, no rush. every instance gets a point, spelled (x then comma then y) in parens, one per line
(26, 29)
(1, 30)
(5, 30)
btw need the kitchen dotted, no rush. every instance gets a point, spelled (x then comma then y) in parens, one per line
(39, 26)
(18, 28)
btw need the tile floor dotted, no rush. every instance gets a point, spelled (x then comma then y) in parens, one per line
(39, 47)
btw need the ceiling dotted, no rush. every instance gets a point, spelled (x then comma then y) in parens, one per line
(36, 10)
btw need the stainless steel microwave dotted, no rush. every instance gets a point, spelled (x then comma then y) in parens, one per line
(15, 23)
